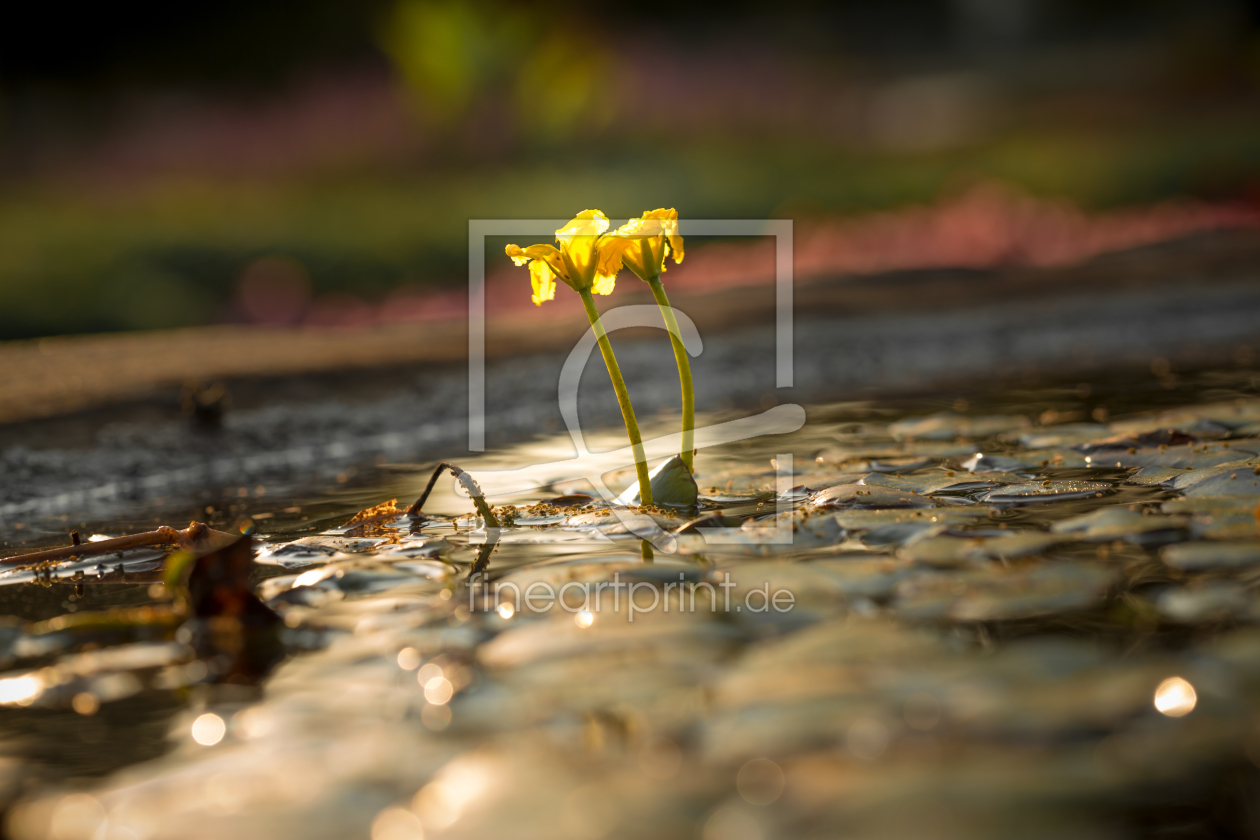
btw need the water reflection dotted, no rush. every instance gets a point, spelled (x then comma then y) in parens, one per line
(993, 657)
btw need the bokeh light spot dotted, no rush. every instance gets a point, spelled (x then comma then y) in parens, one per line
(760, 782)
(438, 691)
(397, 824)
(85, 703)
(77, 817)
(21, 691)
(1175, 697)
(208, 729)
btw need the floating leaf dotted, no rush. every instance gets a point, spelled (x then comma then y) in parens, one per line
(1000, 594)
(1198, 556)
(950, 426)
(963, 550)
(1044, 492)
(869, 496)
(938, 482)
(1154, 475)
(1231, 481)
(672, 486)
(1120, 523)
(1203, 602)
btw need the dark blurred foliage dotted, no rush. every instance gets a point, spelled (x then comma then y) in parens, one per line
(153, 156)
(93, 46)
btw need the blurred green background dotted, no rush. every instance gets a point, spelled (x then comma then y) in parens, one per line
(150, 155)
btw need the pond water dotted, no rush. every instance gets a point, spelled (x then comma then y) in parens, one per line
(1018, 613)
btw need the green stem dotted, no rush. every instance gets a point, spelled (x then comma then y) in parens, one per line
(684, 372)
(623, 398)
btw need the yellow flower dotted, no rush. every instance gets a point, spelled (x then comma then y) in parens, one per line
(581, 261)
(642, 244)
(544, 266)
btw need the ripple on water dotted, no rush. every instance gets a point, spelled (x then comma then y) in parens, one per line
(950, 625)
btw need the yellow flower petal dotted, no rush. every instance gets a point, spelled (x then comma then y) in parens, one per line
(535, 252)
(586, 223)
(579, 244)
(546, 264)
(611, 250)
(604, 284)
(547, 253)
(667, 219)
(543, 280)
(648, 241)
(675, 243)
(518, 255)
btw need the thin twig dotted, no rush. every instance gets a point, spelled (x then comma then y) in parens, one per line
(479, 499)
(474, 491)
(196, 535)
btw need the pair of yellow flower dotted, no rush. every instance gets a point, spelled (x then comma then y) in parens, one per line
(588, 261)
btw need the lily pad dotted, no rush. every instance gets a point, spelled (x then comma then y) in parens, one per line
(1198, 556)
(417, 548)
(858, 520)
(1044, 492)
(869, 496)
(1237, 505)
(775, 535)
(901, 533)
(1240, 481)
(1191, 423)
(1161, 437)
(1038, 590)
(963, 550)
(1069, 434)
(1120, 523)
(1030, 461)
(982, 463)
(607, 522)
(950, 426)
(865, 577)
(780, 593)
(898, 464)
(937, 482)
(808, 527)
(1196, 456)
(1207, 601)
(1148, 476)
(297, 554)
(1225, 526)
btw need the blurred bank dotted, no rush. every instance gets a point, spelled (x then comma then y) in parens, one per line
(317, 163)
